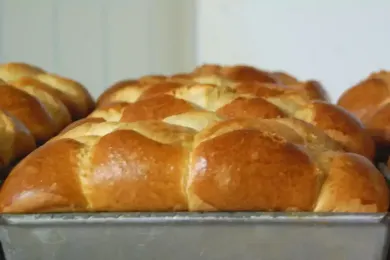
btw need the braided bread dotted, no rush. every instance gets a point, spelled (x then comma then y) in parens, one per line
(238, 164)
(37, 104)
(249, 99)
(165, 143)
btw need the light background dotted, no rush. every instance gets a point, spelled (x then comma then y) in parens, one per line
(100, 41)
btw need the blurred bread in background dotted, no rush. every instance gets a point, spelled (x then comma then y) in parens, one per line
(35, 105)
(369, 100)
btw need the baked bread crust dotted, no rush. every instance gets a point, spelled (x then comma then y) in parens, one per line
(184, 143)
(35, 106)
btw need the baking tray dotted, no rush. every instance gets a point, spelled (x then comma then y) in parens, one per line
(188, 236)
(191, 236)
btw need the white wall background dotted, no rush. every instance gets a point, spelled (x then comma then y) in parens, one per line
(336, 41)
(100, 41)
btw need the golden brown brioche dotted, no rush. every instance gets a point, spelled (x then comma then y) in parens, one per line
(83, 121)
(15, 139)
(242, 79)
(29, 110)
(15, 70)
(74, 95)
(103, 98)
(364, 98)
(231, 165)
(132, 91)
(48, 97)
(334, 171)
(162, 106)
(35, 106)
(369, 101)
(340, 126)
(116, 88)
(244, 100)
(222, 138)
(353, 173)
(187, 114)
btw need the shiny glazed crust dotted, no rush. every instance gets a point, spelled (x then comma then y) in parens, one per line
(230, 165)
(248, 100)
(174, 144)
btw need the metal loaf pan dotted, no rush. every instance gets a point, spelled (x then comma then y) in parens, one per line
(190, 236)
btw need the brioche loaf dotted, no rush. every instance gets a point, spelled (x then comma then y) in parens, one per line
(249, 99)
(171, 143)
(35, 106)
(231, 165)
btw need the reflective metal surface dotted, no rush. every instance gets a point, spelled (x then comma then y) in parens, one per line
(188, 236)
